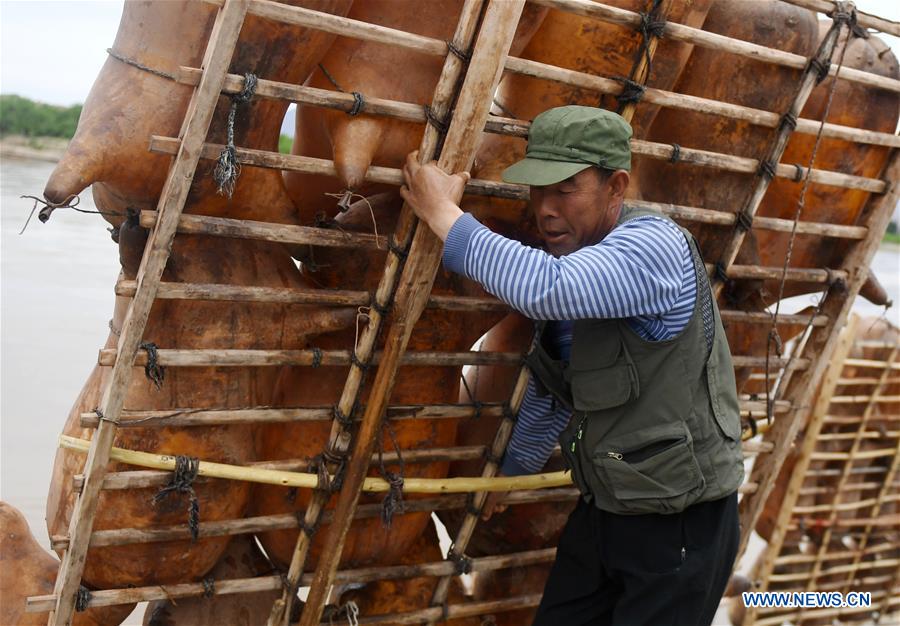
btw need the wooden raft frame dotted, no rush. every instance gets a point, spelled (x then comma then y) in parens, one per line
(850, 540)
(409, 282)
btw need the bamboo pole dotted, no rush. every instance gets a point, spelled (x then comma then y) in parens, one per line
(282, 233)
(112, 597)
(838, 569)
(866, 20)
(339, 439)
(472, 107)
(800, 559)
(262, 358)
(409, 112)
(286, 295)
(713, 41)
(793, 274)
(255, 415)
(264, 231)
(775, 151)
(873, 364)
(143, 479)
(217, 57)
(369, 484)
(820, 348)
(209, 291)
(284, 521)
(393, 176)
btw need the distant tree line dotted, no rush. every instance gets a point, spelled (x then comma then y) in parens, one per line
(21, 116)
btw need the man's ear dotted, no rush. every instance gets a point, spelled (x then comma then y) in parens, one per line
(618, 184)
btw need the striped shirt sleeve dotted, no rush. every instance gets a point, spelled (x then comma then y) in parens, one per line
(637, 270)
(538, 425)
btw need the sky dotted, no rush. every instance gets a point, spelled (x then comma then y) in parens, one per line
(51, 51)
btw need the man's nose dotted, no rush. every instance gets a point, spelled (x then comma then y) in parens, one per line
(543, 206)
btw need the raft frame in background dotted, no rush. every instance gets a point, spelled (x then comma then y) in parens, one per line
(402, 285)
(865, 519)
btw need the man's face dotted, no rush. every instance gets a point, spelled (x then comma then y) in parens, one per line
(577, 212)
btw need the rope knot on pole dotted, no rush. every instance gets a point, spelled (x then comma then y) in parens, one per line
(154, 372)
(82, 599)
(186, 470)
(228, 167)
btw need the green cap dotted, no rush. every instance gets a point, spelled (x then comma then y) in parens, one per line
(566, 140)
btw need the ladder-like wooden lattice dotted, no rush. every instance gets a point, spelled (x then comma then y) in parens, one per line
(484, 32)
(837, 529)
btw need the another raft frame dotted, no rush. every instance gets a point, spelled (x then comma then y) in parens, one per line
(485, 32)
(871, 561)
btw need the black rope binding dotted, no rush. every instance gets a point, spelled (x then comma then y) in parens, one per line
(471, 509)
(182, 481)
(490, 457)
(308, 529)
(631, 91)
(153, 370)
(209, 587)
(323, 480)
(399, 252)
(317, 357)
(228, 167)
(440, 124)
(788, 120)
(508, 412)
(820, 68)
(798, 172)
(383, 311)
(475, 402)
(846, 14)
(743, 221)
(462, 55)
(344, 420)
(766, 170)
(462, 562)
(676, 153)
(721, 274)
(82, 598)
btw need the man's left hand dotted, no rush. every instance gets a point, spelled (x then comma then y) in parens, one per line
(433, 194)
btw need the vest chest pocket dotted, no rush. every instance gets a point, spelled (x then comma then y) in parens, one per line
(650, 471)
(602, 375)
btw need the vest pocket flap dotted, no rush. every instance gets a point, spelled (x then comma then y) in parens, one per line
(663, 466)
(602, 388)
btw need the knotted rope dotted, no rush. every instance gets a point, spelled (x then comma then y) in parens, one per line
(228, 167)
(153, 370)
(186, 470)
(393, 501)
(82, 599)
(47, 208)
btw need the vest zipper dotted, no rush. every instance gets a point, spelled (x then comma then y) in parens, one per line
(579, 434)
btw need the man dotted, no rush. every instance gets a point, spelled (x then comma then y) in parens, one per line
(631, 373)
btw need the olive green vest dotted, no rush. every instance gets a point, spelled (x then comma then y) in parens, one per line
(655, 425)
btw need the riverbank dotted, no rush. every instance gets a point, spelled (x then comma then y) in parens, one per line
(50, 149)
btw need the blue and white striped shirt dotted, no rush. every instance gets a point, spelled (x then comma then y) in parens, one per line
(642, 271)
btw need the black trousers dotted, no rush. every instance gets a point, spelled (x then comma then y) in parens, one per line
(652, 569)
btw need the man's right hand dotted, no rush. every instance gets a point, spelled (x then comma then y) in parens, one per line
(492, 504)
